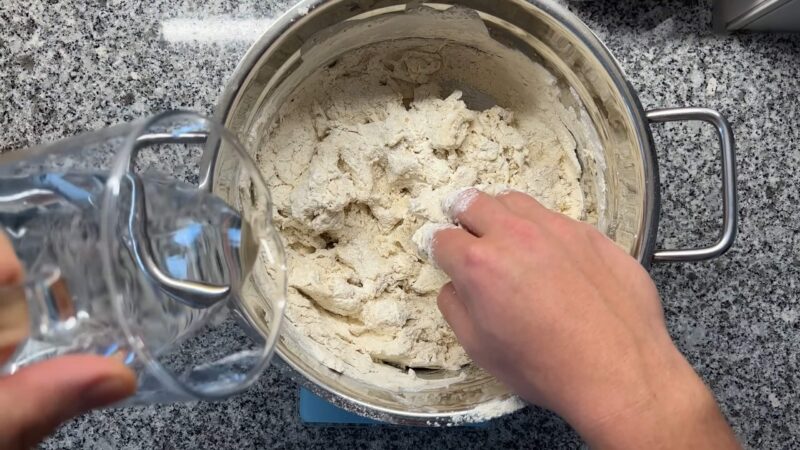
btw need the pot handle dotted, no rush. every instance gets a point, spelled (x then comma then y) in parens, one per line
(729, 196)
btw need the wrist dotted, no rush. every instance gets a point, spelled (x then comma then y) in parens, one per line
(672, 409)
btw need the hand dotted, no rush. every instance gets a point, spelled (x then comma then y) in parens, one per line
(570, 322)
(35, 400)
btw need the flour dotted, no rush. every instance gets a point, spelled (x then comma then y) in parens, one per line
(425, 237)
(489, 410)
(361, 162)
(456, 202)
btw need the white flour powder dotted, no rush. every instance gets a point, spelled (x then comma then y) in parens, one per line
(362, 156)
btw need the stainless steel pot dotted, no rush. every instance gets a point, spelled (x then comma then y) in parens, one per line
(549, 35)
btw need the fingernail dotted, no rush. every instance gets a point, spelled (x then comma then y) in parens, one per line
(105, 392)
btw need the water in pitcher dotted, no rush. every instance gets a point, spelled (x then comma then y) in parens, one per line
(53, 220)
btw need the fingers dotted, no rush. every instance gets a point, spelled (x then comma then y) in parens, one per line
(526, 207)
(11, 272)
(475, 210)
(38, 398)
(523, 205)
(479, 213)
(13, 308)
(14, 320)
(447, 248)
(455, 313)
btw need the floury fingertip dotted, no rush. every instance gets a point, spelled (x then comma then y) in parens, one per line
(455, 203)
(425, 238)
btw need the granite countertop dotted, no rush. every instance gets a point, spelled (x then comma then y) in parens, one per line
(68, 66)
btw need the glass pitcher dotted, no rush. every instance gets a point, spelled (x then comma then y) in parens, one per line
(128, 254)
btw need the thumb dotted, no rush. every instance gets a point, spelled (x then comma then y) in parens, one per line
(456, 314)
(35, 400)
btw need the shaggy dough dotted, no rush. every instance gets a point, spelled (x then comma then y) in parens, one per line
(360, 159)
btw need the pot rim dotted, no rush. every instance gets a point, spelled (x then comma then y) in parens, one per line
(648, 227)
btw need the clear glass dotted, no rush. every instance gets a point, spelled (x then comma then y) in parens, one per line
(127, 254)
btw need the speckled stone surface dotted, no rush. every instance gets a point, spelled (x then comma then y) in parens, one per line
(70, 65)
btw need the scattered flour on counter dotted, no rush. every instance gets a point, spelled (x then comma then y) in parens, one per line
(361, 161)
(490, 410)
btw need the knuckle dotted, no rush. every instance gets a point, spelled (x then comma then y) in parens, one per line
(478, 257)
(507, 221)
(521, 229)
(593, 235)
(573, 229)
